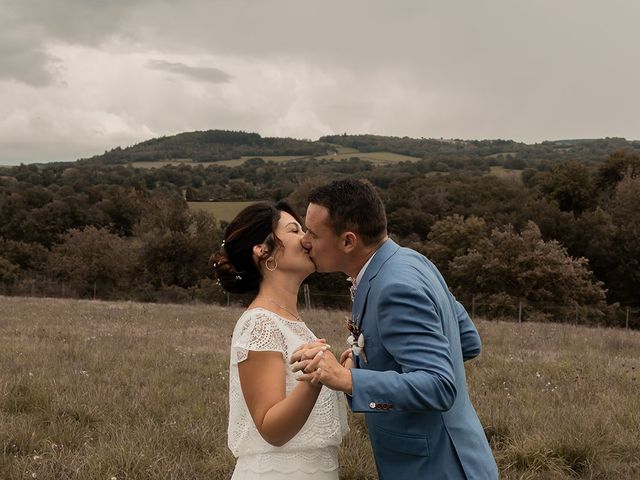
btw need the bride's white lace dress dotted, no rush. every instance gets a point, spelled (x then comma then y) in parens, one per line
(313, 452)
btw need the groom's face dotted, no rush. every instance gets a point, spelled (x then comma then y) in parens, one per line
(321, 241)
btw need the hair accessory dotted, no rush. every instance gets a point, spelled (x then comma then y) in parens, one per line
(215, 265)
(222, 244)
(238, 277)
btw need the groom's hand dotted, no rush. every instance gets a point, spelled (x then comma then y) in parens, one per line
(346, 359)
(323, 368)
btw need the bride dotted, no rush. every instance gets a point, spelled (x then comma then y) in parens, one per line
(279, 428)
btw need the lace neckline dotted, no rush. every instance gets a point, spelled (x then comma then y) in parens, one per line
(297, 322)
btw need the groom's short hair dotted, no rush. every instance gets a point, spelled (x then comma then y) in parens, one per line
(353, 205)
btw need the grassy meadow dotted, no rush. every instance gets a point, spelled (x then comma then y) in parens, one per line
(116, 390)
(377, 158)
(233, 162)
(506, 174)
(222, 211)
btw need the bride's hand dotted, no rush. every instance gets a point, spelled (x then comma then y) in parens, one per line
(309, 350)
(325, 369)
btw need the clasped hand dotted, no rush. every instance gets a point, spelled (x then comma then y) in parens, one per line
(319, 366)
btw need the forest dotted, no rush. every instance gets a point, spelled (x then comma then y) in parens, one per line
(513, 227)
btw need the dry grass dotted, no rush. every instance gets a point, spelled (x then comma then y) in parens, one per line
(95, 390)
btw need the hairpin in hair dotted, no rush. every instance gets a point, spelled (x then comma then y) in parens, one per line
(215, 265)
(238, 277)
(222, 244)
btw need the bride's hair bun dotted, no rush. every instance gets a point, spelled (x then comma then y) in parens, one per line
(234, 264)
(228, 278)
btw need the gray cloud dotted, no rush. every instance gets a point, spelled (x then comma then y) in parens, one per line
(480, 69)
(207, 74)
(30, 66)
(23, 57)
(27, 29)
(77, 21)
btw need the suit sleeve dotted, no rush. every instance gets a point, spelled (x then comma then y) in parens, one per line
(411, 331)
(469, 337)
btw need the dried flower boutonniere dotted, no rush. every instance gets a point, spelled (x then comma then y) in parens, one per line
(356, 339)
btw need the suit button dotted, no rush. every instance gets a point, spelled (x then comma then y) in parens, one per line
(372, 405)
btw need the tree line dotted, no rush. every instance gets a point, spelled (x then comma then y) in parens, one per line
(208, 146)
(549, 232)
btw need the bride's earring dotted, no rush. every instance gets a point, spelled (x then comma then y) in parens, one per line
(275, 264)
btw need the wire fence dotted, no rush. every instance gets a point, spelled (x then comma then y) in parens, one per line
(615, 316)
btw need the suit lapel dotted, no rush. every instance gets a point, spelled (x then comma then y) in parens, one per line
(383, 254)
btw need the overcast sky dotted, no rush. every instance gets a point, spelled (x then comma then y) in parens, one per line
(78, 77)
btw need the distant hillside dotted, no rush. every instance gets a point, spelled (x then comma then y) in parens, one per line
(587, 150)
(220, 145)
(209, 146)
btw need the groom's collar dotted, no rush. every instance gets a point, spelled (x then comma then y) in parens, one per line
(386, 251)
(358, 279)
(382, 254)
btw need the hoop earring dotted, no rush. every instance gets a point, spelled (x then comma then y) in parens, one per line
(275, 264)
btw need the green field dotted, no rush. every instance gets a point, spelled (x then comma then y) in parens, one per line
(96, 390)
(347, 149)
(377, 158)
(277, 159)
(502, 154)
(506, 174)
(222, 211)
(176, 162)
(234, 162)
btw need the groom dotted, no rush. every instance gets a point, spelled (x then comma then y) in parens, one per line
(408, 375)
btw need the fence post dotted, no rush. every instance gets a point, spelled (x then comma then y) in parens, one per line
(576, 314)
(473, 307)
(627, 321)
(94, 290)
(520, 311)
(307, 297)
(228, 299)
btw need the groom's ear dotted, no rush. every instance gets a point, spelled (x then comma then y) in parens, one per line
(349, 241)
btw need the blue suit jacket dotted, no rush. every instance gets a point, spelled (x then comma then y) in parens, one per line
(413, 387)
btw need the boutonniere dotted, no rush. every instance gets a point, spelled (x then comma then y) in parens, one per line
(356, 339)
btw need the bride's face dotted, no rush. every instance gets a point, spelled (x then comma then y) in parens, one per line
(291, 255)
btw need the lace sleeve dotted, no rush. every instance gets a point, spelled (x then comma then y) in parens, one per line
(259, 333)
